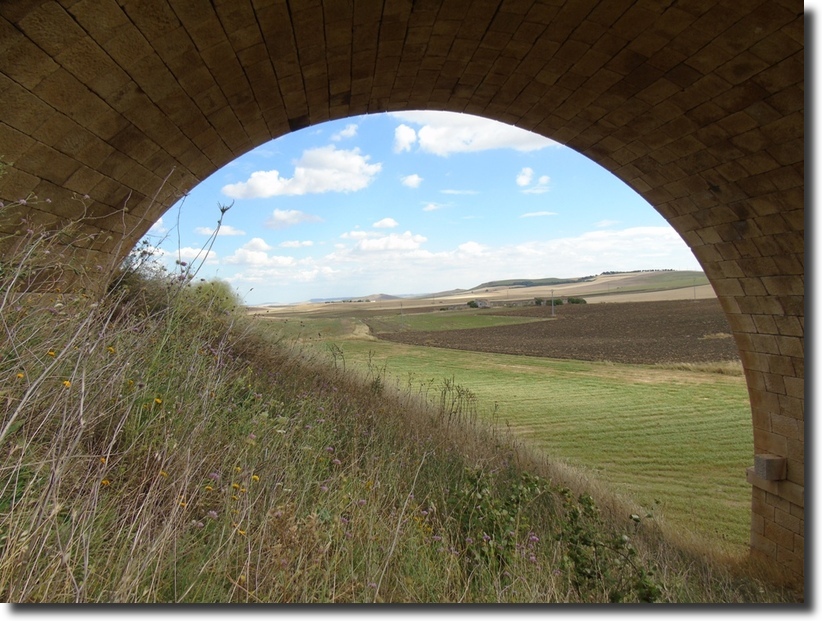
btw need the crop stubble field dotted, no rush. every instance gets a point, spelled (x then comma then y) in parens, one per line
(605, 388)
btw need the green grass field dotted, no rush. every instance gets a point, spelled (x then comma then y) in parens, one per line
(675, 441)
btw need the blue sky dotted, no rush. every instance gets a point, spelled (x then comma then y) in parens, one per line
(412, 203)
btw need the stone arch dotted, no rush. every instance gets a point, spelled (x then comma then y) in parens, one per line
(698, 106)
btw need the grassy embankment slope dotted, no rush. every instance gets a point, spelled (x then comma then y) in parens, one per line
(160, 446)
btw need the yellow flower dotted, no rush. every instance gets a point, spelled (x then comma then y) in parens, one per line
(255, 478)
(51, 353)
(158, 401)
(242, 532)
(208, 488)
(183, 503)
(67, 383)
(105, 482)
(20, 376)
(238, 469)
(102, 460)
(110, 350)
(163, 473)
(235, 485)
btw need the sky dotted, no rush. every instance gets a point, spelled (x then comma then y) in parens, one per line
(410, 203)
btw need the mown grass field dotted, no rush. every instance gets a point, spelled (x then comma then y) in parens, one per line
(676, 441)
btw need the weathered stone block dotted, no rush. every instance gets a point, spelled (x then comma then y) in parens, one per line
(770, 467)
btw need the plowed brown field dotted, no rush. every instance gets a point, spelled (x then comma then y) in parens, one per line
(690, 331)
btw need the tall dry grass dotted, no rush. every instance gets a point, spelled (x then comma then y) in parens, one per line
(158, 445)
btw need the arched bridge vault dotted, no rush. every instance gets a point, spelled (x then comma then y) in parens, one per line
(698, 106)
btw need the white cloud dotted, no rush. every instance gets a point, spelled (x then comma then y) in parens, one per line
(296, 244)
(225, 230)
(538, 214)
(605, 223)
(385, 223)
(349, 131)
(394, 241)
(404, 138)
(283, 218)
(188, 254)
(324, 169)
(358, 234)
(255, 254)
(158, 228)
(525, 176)
(459, 192)
(411, 181)
(433, 206)
(471, 248)
(541, 186)
(443, 133)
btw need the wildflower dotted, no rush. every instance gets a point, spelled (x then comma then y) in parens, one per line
(67, 383)
(197, 524)
(158, 401)
(183, 503)
(208, 488)
(336, 462)
(323, 488)
(163, 473)
(103, 460)
(214, 476)
(212, 514)
(237, 469)
(242, 532)
(110, 349)
(255, 478)
(51, 353)
(20, 376)
(235, 485)
(105, 482)
(361, 501)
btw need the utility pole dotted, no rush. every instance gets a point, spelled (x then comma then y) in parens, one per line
(552, 302)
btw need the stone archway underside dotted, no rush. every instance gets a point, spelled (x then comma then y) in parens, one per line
(698, 106)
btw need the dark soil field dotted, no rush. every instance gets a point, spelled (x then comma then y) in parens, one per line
(681, 331)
